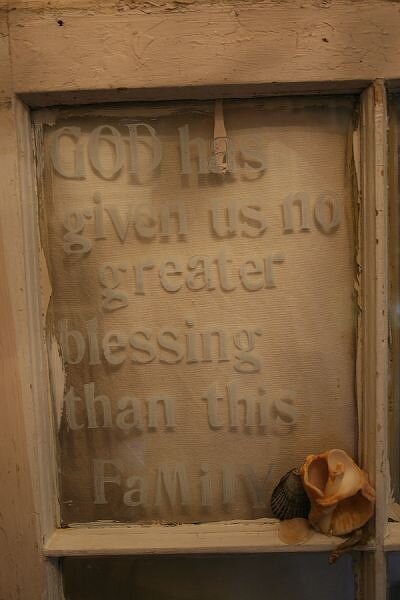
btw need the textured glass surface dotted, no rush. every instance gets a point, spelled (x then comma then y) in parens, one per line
(203, 306)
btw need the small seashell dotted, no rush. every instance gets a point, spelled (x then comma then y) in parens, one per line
(289, 500)
(294, 531)
(342, 499)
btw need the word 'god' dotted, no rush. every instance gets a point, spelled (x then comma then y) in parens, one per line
(137, 147)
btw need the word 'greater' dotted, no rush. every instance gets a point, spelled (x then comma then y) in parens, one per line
(197, 273)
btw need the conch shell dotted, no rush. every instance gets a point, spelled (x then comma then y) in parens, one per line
(342, 500)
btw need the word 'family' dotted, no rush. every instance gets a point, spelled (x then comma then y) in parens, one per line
(173, 486)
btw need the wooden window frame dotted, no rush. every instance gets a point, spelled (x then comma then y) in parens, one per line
(307, 56)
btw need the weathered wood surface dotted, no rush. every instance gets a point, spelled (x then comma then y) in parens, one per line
(72, 51)
(19, 564)
(153, 49)
(20, 568)
(233, 537)
(23, 524)
(373, 330)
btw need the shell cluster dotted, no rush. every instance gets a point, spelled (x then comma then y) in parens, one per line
(330, 490)
(289, 500)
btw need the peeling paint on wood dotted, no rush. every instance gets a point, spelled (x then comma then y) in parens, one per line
(206, 44)
(71, 51)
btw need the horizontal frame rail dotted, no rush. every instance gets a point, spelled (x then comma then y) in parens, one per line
(345, 41)
(259, 536)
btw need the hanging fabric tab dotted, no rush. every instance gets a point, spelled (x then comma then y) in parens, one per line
(220, 139)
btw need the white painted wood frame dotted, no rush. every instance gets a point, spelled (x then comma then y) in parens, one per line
(79, 53)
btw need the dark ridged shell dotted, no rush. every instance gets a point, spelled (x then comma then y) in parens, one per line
(289, 500)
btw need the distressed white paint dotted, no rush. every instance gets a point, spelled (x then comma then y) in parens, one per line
(107, 50)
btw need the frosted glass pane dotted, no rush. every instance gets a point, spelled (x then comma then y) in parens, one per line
(205, 319)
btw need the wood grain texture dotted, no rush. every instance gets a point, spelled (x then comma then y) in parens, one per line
(237, 44)
(381, 316)
(23, 574)
(219, 538)
(20, 568)
(5, 64)
(374, 324)
(394, 294)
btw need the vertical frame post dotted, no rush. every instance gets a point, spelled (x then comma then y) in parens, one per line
(36, 402)
(374, 333)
